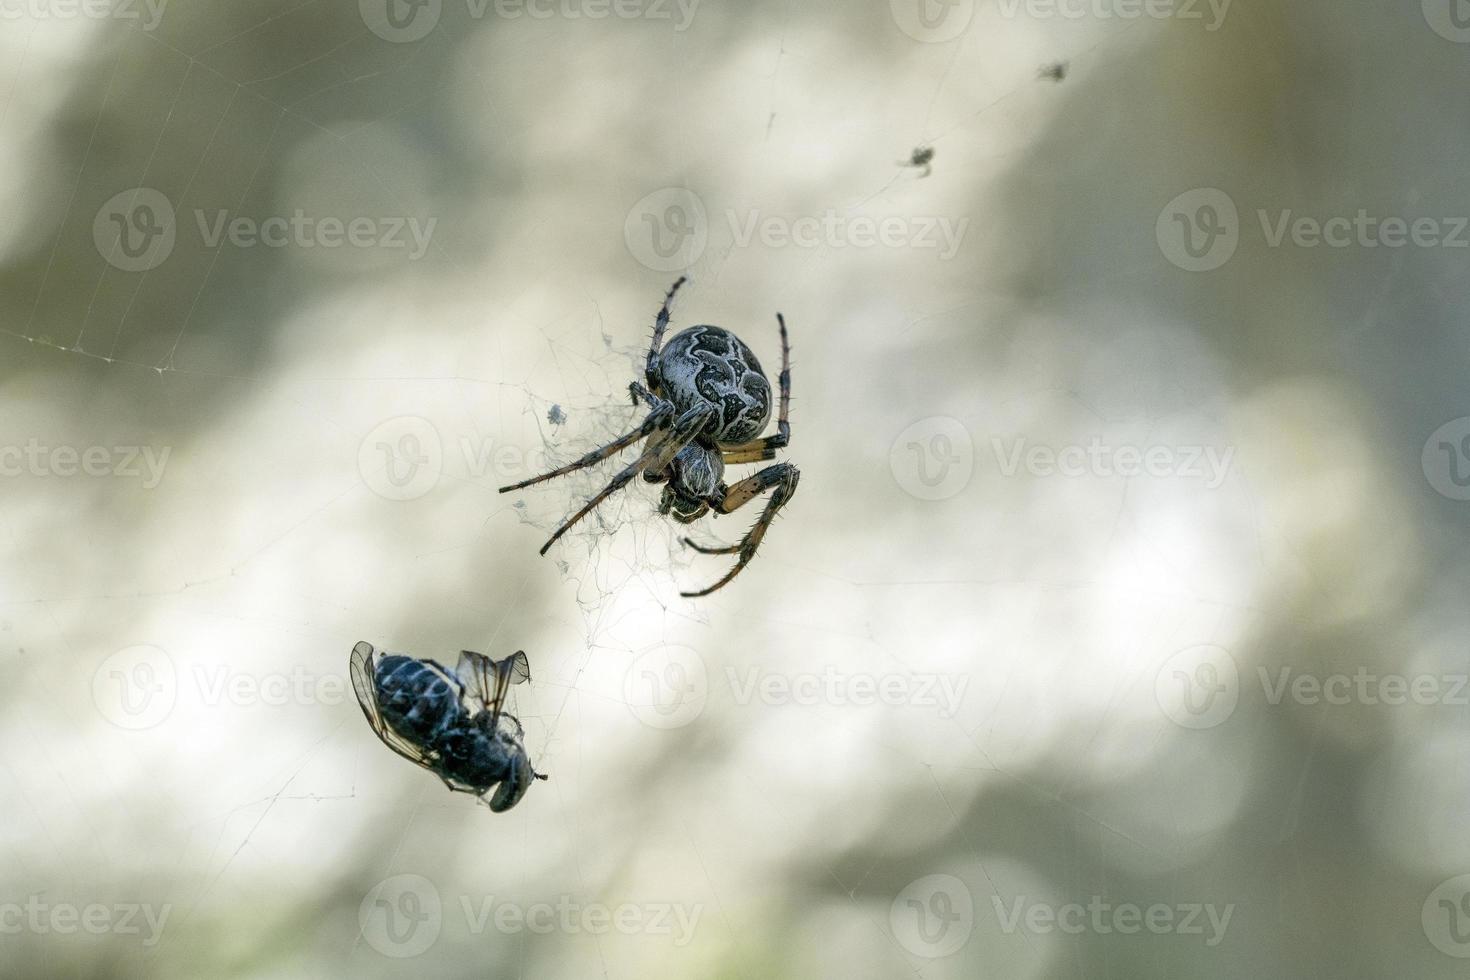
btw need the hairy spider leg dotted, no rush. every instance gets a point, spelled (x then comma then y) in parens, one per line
(655, 457)
(655, 420)
(760, 450)
(783, 478)
(660, 324)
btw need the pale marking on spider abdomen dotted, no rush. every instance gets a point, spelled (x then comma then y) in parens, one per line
(710, 365)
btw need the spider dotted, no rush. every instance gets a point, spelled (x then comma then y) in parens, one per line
(1056, 71)
(921, 158)
(708, 403)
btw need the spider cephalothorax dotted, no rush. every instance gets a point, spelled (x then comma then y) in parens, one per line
(708, 402)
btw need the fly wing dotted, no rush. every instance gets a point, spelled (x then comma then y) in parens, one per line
(474, 671)
(365, 687)
(487, 681)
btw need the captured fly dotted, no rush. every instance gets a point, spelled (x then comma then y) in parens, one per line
(449, 723)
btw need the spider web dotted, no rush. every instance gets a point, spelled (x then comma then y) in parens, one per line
(549, 381)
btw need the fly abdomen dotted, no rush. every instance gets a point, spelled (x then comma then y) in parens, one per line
(415, 699)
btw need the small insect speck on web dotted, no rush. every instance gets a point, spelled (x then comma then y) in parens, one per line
(1056, 71)
(921, 157)
(556, 416)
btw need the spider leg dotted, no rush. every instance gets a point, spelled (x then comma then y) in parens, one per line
(659, 326)
(705, 550)
(636, 391)
(759, 450)
(747, 454)
(655, 420)
(655, 456)
(781, 479)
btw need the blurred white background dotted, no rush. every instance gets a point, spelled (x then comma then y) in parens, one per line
(1117, 628)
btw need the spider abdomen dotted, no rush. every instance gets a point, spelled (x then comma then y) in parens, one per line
(707, 365)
